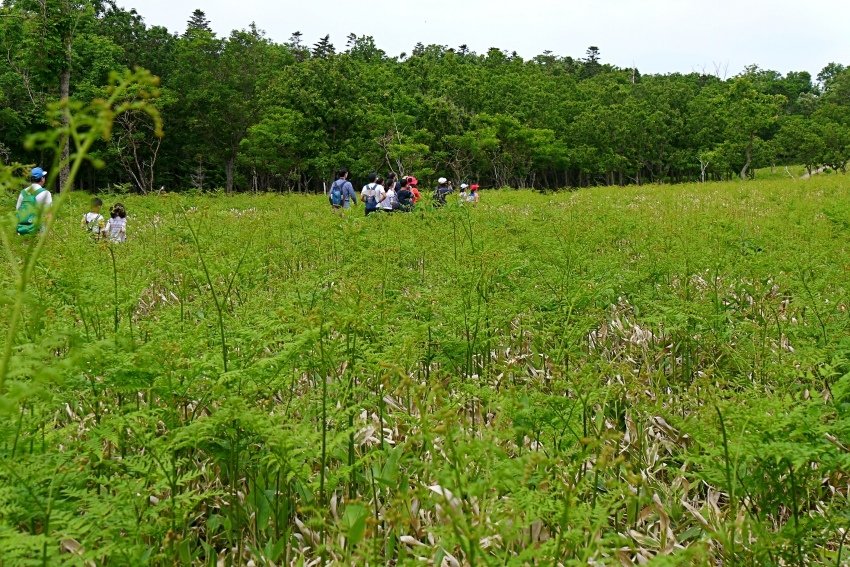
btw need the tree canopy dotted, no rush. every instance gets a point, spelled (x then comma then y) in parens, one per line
(243, 112)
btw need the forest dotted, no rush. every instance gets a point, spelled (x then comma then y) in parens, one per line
(245, 113)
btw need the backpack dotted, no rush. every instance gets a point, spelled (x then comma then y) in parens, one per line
(371, 199)
(93, 226)
(440, 196)
(28, 213)
(336, 194)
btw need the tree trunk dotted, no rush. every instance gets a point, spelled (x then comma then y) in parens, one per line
(749, 156)
(228, 171)
(64, 94)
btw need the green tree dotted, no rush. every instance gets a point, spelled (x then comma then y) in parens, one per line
(324, 48)
(829, 73)
(747, 116)
(198, 22)
(800, 142)
(44, 52)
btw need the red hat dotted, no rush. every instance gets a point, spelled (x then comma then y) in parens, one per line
(412, 181)
(473, 187)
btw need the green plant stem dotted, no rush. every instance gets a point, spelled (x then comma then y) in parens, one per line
(114, 284)
(218, 308)
(728, 471)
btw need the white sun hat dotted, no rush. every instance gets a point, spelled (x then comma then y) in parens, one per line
(442, 180)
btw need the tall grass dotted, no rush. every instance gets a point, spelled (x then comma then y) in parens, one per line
(612, 376)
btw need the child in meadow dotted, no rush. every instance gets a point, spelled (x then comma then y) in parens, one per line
(93, 222)
(116, 228)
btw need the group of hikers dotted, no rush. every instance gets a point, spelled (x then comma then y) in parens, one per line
(393, 194)
(33, 210)
(379, 194)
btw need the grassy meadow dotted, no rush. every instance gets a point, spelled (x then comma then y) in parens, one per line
(614, 376)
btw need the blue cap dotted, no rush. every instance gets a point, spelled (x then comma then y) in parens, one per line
(37, 174)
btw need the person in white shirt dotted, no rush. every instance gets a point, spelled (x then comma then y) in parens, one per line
(373, 194)
(93, 222)
(390, 203)
(34, 203)
(473, 196)
(116, 228)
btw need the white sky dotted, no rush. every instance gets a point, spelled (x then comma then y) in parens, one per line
(657, 36)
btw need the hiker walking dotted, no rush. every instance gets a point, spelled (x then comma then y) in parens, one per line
(33, 204)
(392, 182)
(390, 203)
(405, 196)
(443, 190)
(342, 195)
(413, 185)
(116, 226)
(373, 194)
(93, 222)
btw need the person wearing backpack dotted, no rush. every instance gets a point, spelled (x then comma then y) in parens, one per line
(443, 189)
(342, 195)
(93, 222)
(33, 204)
(373, 194)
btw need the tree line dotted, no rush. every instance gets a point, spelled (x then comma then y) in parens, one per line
(246, 113)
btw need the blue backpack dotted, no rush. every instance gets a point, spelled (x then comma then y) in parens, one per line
(336, 194)
(372, 200)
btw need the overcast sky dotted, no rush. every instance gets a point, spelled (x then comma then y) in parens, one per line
(657, 36)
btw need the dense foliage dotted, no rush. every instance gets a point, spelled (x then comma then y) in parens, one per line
(602, 377)
(243, 112)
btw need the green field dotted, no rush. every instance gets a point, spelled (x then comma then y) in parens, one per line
(607, 377)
